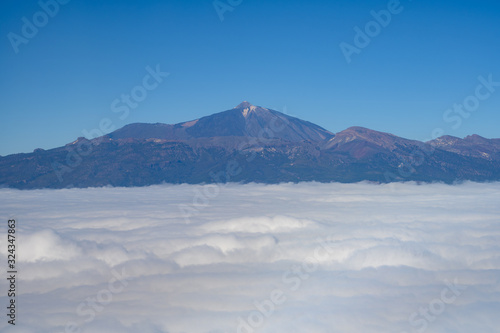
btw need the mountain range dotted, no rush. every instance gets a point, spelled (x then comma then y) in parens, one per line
(250, 144)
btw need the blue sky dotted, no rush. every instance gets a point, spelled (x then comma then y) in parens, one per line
(284, 55)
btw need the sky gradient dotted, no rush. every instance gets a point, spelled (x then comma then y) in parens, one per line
(283, 55)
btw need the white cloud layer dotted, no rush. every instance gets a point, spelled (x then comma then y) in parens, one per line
(309, 257)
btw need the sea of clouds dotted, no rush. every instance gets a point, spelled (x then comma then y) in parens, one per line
(308, 258)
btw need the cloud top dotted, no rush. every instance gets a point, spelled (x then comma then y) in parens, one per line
(302, 257)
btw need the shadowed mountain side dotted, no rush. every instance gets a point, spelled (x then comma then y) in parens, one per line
(472, 145)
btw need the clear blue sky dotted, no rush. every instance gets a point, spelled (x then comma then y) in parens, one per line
(280, 53)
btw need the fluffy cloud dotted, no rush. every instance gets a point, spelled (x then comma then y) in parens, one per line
(47, 245)
(303, 257)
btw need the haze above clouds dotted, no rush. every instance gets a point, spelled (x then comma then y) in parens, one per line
(305, 257)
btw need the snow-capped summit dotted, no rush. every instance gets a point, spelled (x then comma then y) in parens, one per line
(244, 105)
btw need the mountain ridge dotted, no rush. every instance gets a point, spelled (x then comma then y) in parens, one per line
(266, 145)
(245, 119)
